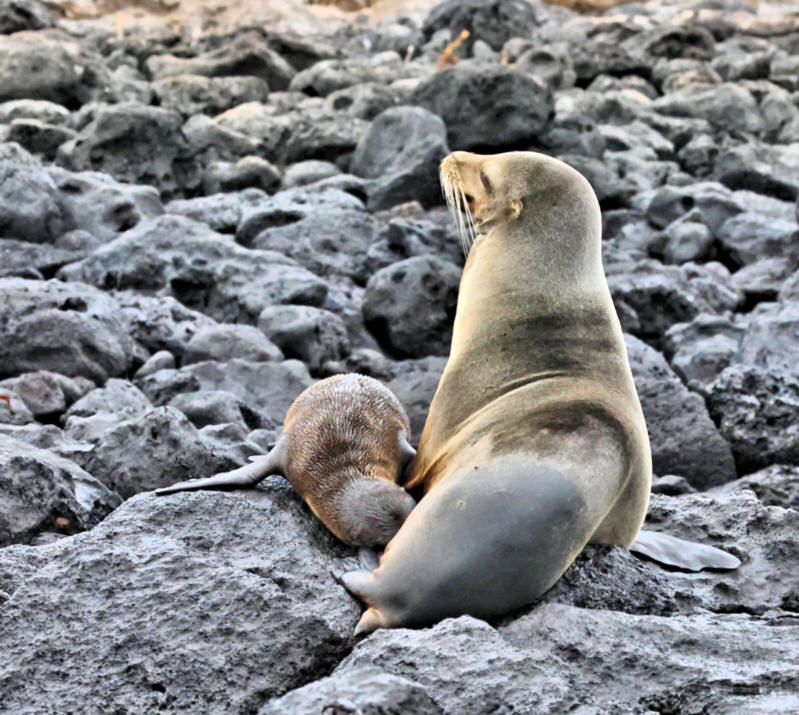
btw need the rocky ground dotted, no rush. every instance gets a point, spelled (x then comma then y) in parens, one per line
(196, 225)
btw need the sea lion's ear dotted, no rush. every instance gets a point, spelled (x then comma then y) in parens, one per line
(515, 208)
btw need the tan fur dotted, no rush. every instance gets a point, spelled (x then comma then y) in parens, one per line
(535, 441)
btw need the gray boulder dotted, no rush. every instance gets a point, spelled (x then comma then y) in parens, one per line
(247, 172)
(156, 449)
(367, 689)
(727, 106)
(267, 388)
(485, 105)
(33, 260)
(195, 94)
(309, 334)
(683, 438)
(31, 207)
(35, 67)
(103, 206)
(72, 329)
(678, 662)
(450, 661)
(748, 237)
(134, 143)
(44, 492)
(414, 383)
(19, 15)
(39, 137)
(701, 349)
(103, 409)
(777, 485)
(247, 54)
(200, 268)
(221, 212)
(228, 340)
(159, 322)
(330, 75)
(46, 394)
(768, 168)
(401, 153)
(218, 407)
(758, 413)
(327, 242)
(771, 340)
(409, 306)
(494, 22)
(247, 571)
(714, 202)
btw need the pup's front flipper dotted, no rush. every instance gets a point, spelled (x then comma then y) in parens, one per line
(682, 554)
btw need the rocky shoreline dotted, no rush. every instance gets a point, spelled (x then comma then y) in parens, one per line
(194, 228)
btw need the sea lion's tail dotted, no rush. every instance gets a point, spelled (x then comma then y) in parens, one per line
(682, 554)
(247, 476)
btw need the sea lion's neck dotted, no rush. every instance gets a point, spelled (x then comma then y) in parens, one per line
(545, 304)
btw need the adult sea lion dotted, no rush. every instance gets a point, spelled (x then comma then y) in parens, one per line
(344, 446)
(535, 443)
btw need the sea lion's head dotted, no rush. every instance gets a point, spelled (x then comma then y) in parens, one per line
(521, 193)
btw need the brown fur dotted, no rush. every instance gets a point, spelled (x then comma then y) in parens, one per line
(342, 445)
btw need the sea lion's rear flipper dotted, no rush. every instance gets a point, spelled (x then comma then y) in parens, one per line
(361, 585)
(682, 554)
(247, 476)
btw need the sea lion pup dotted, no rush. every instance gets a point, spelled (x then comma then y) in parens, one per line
(344, 446)
(535, 443)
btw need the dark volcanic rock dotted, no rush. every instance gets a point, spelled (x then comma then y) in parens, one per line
(31, 208)
(368, 689)
(246, 573)
(486, 107)
(309, 334)
(684, 440)
(247, 54)
(228, 341)
(267, 388)
(758, 414)
(33, 260)
(326, 241)
(18, 15)
(768, 168)
(33, 67)
(762, 537)
(104, 207)
(401, 153)
(161, 322)
(777, 485)
(134, 143)
(450, 661)
(157, 449)
(494, 22)
(72, 329)
(409, 306)
(414, 383)
(44, 492)
(200, 268)
(699, 661)
(195, 94)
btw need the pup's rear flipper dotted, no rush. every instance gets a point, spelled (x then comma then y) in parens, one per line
(247, 476)
(682, 554)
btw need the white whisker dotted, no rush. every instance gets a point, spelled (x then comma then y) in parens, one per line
(455, 197)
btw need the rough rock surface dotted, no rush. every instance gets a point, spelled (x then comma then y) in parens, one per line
(163, 575)
(204, 210)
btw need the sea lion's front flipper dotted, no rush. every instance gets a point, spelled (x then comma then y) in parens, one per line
(682, 554)
(247, 476)
(406, 455)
